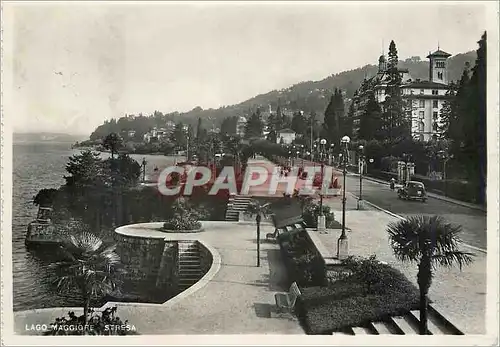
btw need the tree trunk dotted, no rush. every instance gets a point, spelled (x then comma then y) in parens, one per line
(424, 277)
(86, 306)
(257, 219)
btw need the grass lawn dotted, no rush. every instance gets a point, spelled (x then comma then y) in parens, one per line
(373, 292)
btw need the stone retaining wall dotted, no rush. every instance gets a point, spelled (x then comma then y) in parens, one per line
(149, 260)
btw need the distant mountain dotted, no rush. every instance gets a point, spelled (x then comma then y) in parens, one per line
(46, 137)
(310, 96)
(313, 96)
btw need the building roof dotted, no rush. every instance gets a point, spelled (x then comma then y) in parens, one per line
(286, 131)
(425, 84)
(439, 53)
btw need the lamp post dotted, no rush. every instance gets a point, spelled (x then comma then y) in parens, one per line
(321, 216)
(144, 162)
(330, 155)
(361, 164)
(342, 244)
(445, 158)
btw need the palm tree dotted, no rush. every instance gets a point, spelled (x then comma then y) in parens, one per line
(113, 142)
(90, 267)
(430, 241)
(255, 208)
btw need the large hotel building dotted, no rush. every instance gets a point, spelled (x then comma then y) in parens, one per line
(425, 98)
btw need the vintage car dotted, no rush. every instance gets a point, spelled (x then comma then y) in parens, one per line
(413, 190)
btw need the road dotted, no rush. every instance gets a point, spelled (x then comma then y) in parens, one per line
(473, 221)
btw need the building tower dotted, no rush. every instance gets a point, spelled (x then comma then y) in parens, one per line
(382, 64)
(438, 66)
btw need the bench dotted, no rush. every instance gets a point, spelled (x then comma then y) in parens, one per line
(286, 301)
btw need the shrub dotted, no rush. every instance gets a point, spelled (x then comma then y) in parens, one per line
(373, 292)
(185, 217)
(181, 223)
(107, 323)
(311, 213)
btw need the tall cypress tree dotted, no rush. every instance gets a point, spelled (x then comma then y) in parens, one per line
(331, 127)
(340, 115)
(396, 124)
(254, 126)
(370, 121)
(446, 112)
(474, 124)
(348, 122)
(299, 123)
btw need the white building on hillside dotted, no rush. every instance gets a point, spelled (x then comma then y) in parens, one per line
(286, 136)
(425, 99)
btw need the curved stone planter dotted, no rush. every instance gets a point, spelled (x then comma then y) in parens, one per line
(143, 233)
(169, 231)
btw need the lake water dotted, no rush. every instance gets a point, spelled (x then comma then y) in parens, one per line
(38, 165)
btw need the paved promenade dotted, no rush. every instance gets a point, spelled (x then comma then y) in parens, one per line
(237, 300)
(459, 295)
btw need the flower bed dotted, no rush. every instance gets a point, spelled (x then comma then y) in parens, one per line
(372, 292)
(181, 225)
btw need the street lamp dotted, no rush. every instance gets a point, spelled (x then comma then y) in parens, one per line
(321, 216)
(144, 162)
(330, 159)
(342, 244)
(445, 158)
(361, 164)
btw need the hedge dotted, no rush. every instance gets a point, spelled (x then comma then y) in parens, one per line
(303, 264)
(373, 292)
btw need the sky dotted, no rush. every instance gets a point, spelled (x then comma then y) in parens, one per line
(74, 65)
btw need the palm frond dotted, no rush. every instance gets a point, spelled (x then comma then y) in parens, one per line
(404, 239)
(92, 267)
(450, 258)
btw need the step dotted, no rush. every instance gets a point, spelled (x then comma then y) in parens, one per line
(189, 248)
(341, 333)
(187, 282)
(404, 326)
(383, 328)
(443, 322)
(362, 331)
(190, 264)
(433, 328)
(189, 259)
(190, 270)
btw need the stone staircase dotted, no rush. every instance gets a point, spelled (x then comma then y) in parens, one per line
(235, 205)
(405, 325)
(189, 264)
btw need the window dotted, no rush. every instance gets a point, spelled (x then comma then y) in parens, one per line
(421, 103)
(421, 126)
(421, 114)
(440, 64)
(434, 92)
(440, 75)
(435, 115)
(435, 126)
(434, 104)
(421, 92)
